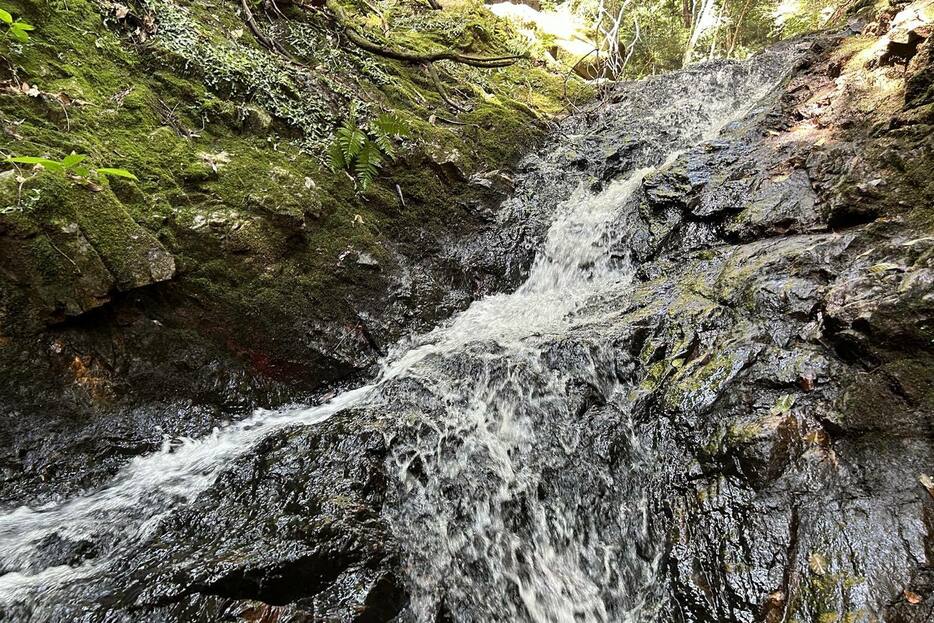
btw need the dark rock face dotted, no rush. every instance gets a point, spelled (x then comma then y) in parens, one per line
(793, 355)
(291, 532)
(296, 524)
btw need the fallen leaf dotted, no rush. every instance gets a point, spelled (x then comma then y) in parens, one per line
(884, 267)
(817, 563)
(215, 161)
(806, 381)
(913, 598)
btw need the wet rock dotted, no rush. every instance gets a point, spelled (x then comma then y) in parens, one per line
(297, 522)
(919, 87)
(496, 181)
(779, 205)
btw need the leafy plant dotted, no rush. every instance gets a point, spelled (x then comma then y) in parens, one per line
(18, 29)
(71, 165)
(362, 150)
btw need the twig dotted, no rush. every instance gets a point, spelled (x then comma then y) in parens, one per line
(266, 42)
(64, 256)
(379, 14)
(64, 110)
(401, 198)
(454, 121)
(573, 67)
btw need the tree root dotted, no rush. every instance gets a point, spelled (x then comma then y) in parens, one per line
(362, 42)
(441, 90)
(266, 42)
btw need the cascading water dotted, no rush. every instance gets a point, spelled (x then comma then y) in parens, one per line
(509, 508)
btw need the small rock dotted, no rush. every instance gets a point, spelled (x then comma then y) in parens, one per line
(365, 259)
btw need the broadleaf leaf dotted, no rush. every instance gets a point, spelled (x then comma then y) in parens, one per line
(73, 159)
(52, 165)
(116, 173)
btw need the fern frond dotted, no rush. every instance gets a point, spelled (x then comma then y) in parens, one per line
(384, 142)
(351, 139)
(367, 165)
(336, 153)
(389, 124)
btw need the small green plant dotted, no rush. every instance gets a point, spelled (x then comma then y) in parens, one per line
(71, 165)
(18, 29)
(362, 150)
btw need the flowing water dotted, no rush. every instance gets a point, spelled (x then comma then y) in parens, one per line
(521, 492)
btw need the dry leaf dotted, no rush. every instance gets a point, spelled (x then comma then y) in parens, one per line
(913, 598)
(215, 161)
(817, 563)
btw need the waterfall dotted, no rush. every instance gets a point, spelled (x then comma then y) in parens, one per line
(502, 513)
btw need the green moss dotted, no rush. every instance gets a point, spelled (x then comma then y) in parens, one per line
(823, 595)
(743, 433)
(228, 140)
(700, 383)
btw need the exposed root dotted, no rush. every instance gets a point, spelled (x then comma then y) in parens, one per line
(266, 42)
(436, 79)
(361, 41)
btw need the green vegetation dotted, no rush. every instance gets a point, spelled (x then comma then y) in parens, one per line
(634, 39)
(71, 165)
(362, 150)
(228, 142)
(16, 28)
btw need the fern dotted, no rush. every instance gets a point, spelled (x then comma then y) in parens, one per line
(368, 163)
(351, 139)
(362, 151)
(388, 124)
(338, 161)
